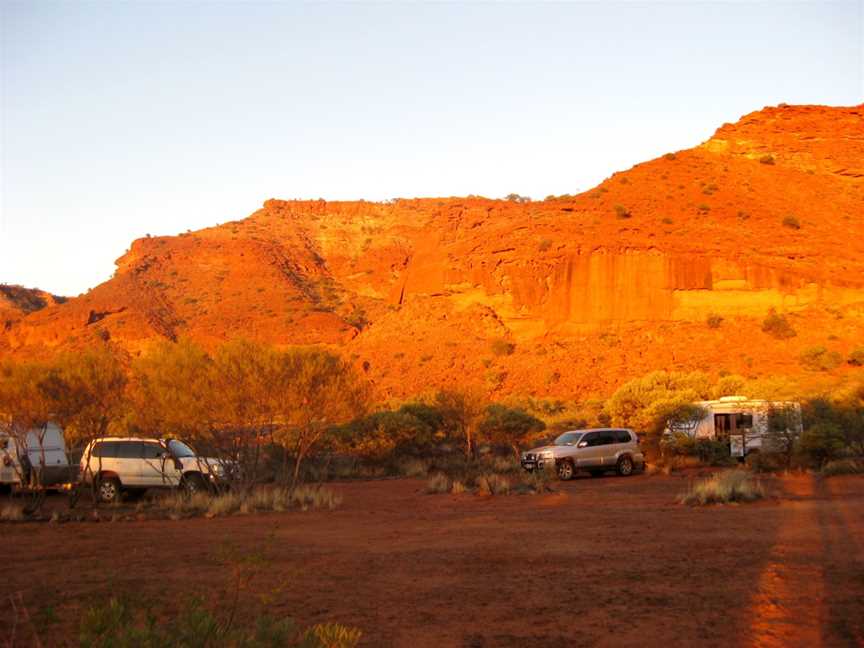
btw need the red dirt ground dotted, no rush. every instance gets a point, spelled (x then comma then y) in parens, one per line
(608, 561)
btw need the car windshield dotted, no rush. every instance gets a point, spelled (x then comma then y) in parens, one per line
(180, 449)
(569, 438)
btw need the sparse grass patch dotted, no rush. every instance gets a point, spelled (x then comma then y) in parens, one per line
(261, 499)
(766, 159)
(723, 488)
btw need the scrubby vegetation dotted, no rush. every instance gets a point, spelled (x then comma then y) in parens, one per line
(777, 326)
(723, 488)
(819, 358)
(714, 320)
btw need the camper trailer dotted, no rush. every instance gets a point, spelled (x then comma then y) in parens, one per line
(740, 421)
(35, 458)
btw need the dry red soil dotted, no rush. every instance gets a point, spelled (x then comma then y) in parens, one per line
(610, 561)
(590, 289)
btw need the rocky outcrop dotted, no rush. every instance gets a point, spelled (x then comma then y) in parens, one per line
(588, 289)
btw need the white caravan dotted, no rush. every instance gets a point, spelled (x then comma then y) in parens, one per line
(34, 458)
(741, 421)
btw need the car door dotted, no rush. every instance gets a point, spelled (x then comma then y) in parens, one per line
(129, 462)
(589, 451)
(158, 468)
(8, 475)
(607, 445)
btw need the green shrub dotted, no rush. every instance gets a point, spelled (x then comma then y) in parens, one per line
(669, 156)
(819, 358)
(778, 326)
(821, 443)
(544, 245)
(856, 358)
(842, 467)
(767, 159)
(714, 320)
(791, 222)
(722, 488)
(765, 462)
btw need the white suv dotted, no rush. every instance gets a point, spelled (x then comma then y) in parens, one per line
(118, 464)
(595, 451)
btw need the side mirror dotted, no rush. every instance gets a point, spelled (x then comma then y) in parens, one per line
(582, 444)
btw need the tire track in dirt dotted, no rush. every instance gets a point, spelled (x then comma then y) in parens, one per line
(786, 609)
(811, 586)
(843, 573)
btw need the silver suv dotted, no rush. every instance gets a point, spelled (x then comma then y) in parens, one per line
(594, 451)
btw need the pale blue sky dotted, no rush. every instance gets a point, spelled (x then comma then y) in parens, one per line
(122, 119)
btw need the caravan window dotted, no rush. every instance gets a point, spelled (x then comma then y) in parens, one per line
(743, 420)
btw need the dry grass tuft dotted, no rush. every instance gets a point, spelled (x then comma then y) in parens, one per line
(723, 488)
(438, 483)
(842, 467)
(492, 484)
(11, 512)
(258, 500)
(413, 468)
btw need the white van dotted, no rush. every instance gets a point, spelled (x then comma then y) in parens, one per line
(35, 458)
(740, 421)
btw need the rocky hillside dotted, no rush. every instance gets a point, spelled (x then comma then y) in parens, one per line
(674, 263)
(18, 301)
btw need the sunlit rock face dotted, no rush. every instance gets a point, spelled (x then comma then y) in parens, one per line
(590, 289)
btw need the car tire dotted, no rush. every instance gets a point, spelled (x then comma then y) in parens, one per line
(192, 484)
(566, 470)
(625, 466)
(109, 490)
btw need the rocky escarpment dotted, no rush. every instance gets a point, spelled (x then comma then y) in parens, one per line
(586, 290)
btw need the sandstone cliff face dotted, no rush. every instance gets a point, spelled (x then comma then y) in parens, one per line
(589, 289)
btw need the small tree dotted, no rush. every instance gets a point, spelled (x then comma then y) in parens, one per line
(463, 412)
(821, 443)
(511, 427)
(317, 391)
(784, 424)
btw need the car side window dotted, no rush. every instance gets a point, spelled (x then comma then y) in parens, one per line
(153, 451)
(591, 439)
(105, 449)
(607, 438)
(130, 450)
(622, 436)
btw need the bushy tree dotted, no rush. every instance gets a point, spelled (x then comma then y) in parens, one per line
(508, 426)
(647, 403)
(317, 391)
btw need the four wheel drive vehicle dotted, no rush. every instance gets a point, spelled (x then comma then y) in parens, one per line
(118, 464)
(594, 451)
(35, 459)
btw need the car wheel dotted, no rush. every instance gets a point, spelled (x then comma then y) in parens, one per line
(566, 470)
(109, 490)
(192, 484)
(625, 466)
